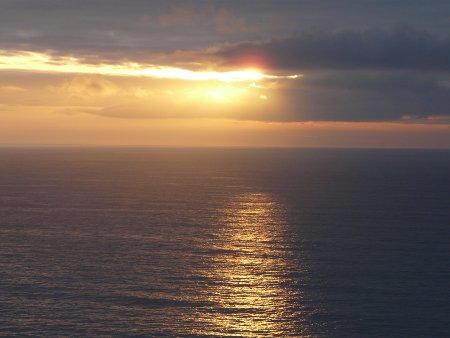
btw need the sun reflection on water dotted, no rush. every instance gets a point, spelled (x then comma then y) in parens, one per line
(249, 284)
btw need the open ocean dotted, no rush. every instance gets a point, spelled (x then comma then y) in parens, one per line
(224, 242)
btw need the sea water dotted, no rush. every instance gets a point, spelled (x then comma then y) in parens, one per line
(224, 242)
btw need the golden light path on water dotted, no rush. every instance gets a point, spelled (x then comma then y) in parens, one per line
(41, 62)
(250, 286)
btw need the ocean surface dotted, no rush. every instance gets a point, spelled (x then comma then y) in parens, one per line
(224, 242)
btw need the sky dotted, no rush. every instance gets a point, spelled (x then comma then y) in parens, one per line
(285, 73)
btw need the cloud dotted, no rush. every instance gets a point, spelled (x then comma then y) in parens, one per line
(114, 30)
(178, 16)
(365, 96)
(227, 22)
(12, 89)
(326, 96)
(401, 48)
(356, 68)
(117, 29)
(359, 75)
(89, 86)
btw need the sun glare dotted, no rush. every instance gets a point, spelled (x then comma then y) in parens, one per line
(222, 93)
(40, 62)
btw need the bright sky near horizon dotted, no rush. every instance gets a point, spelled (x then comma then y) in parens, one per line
(236, 73)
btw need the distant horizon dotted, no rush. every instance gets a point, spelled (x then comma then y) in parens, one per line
(206, 147)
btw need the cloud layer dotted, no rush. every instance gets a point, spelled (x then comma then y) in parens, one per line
(398, 49)
(368, 75)
(357, 65)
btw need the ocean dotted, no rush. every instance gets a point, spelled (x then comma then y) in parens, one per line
(162, 242)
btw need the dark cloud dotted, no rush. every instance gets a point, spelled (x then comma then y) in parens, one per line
(402, 48)
(366, 96)
(118, 29)
(127, 29)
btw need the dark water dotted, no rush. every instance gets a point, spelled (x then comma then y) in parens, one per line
(198, 242)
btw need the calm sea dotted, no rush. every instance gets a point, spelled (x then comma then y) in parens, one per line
(224, 242)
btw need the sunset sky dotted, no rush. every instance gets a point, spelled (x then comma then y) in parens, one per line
(349, 73)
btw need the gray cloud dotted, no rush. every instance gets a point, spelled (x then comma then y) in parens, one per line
(130, 29)
(117, 29)
(367, 96)
(402, 48)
